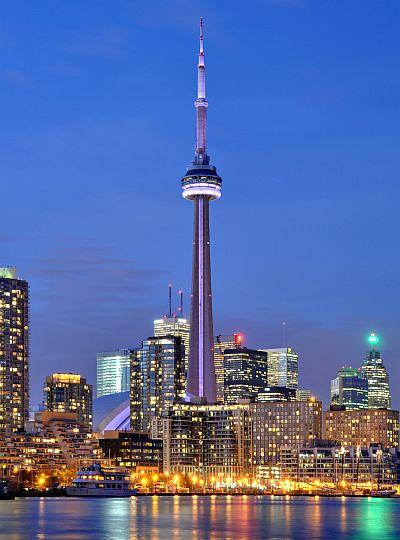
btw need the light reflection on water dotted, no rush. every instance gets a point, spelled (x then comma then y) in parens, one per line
(215, 517)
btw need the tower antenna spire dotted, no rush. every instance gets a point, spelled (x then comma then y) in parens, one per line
(201, 104)
(181, 303)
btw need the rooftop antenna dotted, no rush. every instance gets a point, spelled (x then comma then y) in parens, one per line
(170, 300)
(180, 303)
(284, 333)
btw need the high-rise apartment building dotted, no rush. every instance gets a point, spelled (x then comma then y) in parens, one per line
(157, 379)
(233, 440)
(174, 326)
(221, 343)
(69, 393)
(113, 372)
(350, 389)
(378, 379)
(283, 367)
(211, 440)
(278, 424)
(363, 427)
(245, 373)
(14, 351)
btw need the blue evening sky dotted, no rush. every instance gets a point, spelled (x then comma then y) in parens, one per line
(97, 127)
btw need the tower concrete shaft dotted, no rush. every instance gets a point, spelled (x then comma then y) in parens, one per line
(201, 184)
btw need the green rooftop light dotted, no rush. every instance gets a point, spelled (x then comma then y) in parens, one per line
(373, 339)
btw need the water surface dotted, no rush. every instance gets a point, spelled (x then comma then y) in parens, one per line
(199, 518)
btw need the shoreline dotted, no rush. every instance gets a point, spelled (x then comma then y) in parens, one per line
(27, 495)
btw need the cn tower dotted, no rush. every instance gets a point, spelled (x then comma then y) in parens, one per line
(201, 184)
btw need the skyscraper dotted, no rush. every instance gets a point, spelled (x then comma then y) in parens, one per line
(70, 393)
(201, 184)
(283, 367)
(221, 343)
(350, 389)
(174, 326)
(157, 379)
(377, 376)
(112, 372)
(14, 351)
(245, 374)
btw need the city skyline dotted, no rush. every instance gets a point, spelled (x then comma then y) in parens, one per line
(68, 269)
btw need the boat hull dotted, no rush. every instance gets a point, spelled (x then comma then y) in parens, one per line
(97, 492)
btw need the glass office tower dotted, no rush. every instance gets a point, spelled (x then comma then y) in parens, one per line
(112, 372)
(283, 367)
(245, 374)
(378, 379)
(174, 326)
(350, 389)
(221, 343)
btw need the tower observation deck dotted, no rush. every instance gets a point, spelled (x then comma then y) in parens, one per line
(201, 184)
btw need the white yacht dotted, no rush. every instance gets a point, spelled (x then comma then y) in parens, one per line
(94, 481)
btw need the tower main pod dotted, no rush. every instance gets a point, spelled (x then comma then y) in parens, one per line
(201, 184)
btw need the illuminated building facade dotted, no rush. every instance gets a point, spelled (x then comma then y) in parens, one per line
(327, 463)
(211, 440)
(174, 326)
(201, 184)
(277, 393)
(221, 343)
(157, 380)
(132, 449)
(363, 427)
(14, 351)
(278, 424)
(350, 389)
(245, 374)
(69, 392)
(283, 367)
(378, 379)
(59, 443)
(113, 372)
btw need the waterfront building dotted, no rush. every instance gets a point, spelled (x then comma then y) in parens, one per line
(221, 343)
(58, 444)
(211, 440)
(329, 462)
(69, 392)
(283, 367)
(14, 351)
(378, 379)
(363, 427)
(235, 440)
(350, 389)
(132, 449)
(278, 424)
(113, 372)
(157, 380)
(201, 184)
(245, 374)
